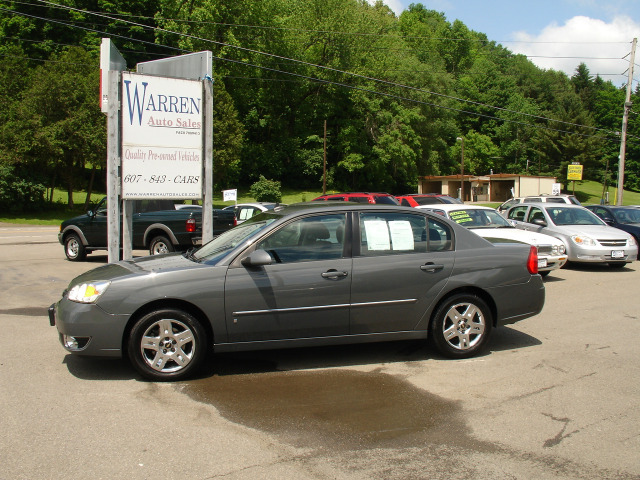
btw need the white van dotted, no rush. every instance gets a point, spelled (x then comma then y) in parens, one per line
(564, 198)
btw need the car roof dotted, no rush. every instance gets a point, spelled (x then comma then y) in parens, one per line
(547, 205)
(612, 207)
(453, 206)
(313, 207)
(424, 195)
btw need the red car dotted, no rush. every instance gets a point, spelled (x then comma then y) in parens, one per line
(359, 197)
(416, 199)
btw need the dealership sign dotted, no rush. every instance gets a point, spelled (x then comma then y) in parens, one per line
(162, 137)
(574, 172)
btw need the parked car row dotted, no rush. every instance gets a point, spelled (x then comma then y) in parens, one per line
(408, 200)
(488, 223)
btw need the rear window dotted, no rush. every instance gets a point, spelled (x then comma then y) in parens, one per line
(426, 200)
(386, 200)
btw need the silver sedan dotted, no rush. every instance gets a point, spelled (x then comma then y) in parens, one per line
(586, 237)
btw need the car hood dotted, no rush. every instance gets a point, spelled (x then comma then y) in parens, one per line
(532, 238)
(596, 231)
(138, 266)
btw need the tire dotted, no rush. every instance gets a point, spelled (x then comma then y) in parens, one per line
(461, 326)
(160, 245)
(617, 264)
(545, 273)
(74, 249)
(167, 345)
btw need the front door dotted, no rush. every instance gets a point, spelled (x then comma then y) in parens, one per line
(304, 293)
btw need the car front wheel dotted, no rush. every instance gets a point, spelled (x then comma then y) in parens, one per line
(160, 245)
(461, 326)
(74, 249)
(167, 345)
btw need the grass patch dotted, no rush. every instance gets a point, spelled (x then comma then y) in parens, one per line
(587, 192)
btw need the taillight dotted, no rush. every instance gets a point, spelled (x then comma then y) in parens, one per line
(191, 225)
(532, 261)
(235, 221)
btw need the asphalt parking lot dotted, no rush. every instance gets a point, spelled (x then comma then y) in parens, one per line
(555, 397)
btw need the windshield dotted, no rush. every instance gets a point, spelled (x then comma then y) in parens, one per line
(230, 239)
(478, 218)
(627, 215)
(573, 216)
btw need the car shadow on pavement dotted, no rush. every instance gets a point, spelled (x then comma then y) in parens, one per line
(95, 368)
(310, 358)
(292, 359)
(603, 268)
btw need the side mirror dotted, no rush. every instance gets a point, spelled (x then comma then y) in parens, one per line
(91, 213)
(539, 221)
(609, 221)
(259, 258)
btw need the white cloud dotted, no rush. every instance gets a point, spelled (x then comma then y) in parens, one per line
(603, 47)
(395, 5)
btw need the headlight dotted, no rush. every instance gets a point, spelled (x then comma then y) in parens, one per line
(87, 292)
(583, 240)
(558, 250)
(632, 241)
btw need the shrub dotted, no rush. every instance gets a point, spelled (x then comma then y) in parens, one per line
(265, 190)
(18, 195)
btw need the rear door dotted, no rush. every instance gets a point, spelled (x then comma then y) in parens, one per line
(401, 262)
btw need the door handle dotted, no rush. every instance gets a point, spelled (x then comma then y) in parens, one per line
(431, 267)
(334, 274)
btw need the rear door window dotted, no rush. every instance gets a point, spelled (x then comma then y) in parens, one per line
(401, 233)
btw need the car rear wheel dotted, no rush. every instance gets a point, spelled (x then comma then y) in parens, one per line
(160, 245)
(461, 326)
(74, 249)
(167, 345)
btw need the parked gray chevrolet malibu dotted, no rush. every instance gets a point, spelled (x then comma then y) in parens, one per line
(307, 274)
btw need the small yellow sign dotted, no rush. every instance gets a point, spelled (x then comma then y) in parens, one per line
(574, 172)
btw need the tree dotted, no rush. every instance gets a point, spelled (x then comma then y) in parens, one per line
(59, 128)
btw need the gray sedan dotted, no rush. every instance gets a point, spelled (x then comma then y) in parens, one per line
(309, 274)
(586, 237)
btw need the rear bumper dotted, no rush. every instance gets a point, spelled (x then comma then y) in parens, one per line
(517, 302)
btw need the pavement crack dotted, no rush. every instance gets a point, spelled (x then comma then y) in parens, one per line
(552, 442)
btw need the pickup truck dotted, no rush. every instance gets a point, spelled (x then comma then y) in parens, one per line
(157, 225)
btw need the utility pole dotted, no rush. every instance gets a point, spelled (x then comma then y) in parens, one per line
(324, 168)
(461, 167)
(625, 121)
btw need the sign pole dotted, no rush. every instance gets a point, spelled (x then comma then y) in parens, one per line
(113, 167)
(207, 194)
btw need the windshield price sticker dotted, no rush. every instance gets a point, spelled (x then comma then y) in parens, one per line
(162, 137)
(617, 254)
(460, 216)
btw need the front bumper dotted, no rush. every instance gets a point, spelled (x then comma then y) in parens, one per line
(551, 262)
(86, 329)
(602, 254)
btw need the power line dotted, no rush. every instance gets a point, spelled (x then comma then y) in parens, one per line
(335, 70)
(331, 32)
(388, 83)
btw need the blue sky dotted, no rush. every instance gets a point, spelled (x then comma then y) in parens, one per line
(596, 32)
